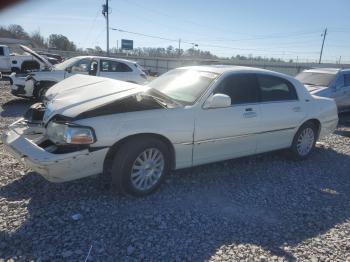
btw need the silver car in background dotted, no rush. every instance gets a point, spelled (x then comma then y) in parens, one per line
(328, 82)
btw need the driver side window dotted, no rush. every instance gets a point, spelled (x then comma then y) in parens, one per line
(82, 65)
(242, 89)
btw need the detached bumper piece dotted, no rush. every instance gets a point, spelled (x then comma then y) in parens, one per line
(55, 166)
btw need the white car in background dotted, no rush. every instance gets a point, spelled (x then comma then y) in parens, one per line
(35, 84)
(188, 116)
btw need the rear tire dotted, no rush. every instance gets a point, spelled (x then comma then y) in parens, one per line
(304, 142)
(140, 165)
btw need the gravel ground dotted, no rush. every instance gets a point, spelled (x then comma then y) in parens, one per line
(260, 208)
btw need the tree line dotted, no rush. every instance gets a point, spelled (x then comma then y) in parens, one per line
(61, 42)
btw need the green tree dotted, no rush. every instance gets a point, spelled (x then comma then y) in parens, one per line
(17, 31)
(61, 42)
(98, 49)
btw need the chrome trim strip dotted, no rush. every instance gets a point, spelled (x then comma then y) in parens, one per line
(243, 135)
(232, 137)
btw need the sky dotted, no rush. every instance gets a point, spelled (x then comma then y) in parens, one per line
(269, 28)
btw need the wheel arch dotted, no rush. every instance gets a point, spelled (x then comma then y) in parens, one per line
(316, 123)
(115, 147)
(42, 84)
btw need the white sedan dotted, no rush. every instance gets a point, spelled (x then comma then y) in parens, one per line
(35, 84)
(134, 135)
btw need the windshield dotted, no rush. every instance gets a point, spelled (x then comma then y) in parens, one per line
(183, 85)
(65, 64)
(316, 79)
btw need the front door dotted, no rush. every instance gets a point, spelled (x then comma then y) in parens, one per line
(82, 66)
(224, 133)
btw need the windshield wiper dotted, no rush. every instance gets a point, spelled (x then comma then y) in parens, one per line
(165, 98)
(310, 84)
(161, 101)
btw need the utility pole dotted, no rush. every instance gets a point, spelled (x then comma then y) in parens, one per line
(324, 38)
(105, 12)
(179, 53)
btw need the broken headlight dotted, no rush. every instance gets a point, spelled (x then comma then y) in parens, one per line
(62, 134)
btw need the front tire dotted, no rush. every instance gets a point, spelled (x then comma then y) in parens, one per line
(304, 141)
(41, 93)
(140, 165)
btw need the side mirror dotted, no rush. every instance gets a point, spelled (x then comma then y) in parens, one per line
(218, 101)
(69, 69)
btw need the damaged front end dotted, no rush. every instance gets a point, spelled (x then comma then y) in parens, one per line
(27, 139)
(51, 140)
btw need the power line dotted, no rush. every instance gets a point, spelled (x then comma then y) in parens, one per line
(141, 34)
(202, 44)
(91, 26)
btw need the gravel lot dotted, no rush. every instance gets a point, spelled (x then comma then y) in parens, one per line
(260, 208)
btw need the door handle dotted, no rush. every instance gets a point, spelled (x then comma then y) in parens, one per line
(249, 114)
(296, 109)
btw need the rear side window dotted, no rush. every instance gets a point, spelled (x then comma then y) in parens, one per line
(347, 80)
(275, 89)
(1, 51)
(242, 89)
(114, 66)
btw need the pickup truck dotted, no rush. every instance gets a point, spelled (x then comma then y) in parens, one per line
(18, 63)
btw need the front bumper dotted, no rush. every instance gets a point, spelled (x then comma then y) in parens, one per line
(23, 144)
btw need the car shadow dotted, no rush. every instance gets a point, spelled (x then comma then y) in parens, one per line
(344, 119)
(15, 107)
(263, 200)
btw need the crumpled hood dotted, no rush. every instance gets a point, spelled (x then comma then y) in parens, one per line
(48, 75)
(81, 93)
(36, 55)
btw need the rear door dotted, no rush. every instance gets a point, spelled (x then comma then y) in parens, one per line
(341, 93)
(281, 113)
(347, 90)
(115, 70)
(224, 133)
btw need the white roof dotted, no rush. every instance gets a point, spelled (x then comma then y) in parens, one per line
(220, 69)
(105, 57)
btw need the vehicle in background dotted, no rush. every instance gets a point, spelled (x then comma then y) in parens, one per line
(20, 63)
(37, 83)
(328, 82)
(186, 117)
(52, 58)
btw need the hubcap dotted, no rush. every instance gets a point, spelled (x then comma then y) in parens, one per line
(147, 169)
(305, 141)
